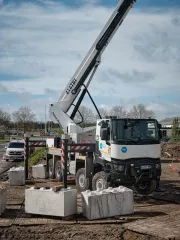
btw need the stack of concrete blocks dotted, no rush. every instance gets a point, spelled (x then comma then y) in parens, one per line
(107, 203)
(43, 201)
(39, 171)
(16, 176)
(3, 194)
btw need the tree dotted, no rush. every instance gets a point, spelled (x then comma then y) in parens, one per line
(103, 112)
(24, 116)
(5, 119)
(118, 111)
(175, 130)
(87, 115)
(140, 111)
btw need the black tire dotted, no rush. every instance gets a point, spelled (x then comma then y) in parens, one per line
(82, 183)
(51, 168)
(146, 187)
(99, 181)
(58, 173)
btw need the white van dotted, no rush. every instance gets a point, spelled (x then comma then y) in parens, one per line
(15, 150)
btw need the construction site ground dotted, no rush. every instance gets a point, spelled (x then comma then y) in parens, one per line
(156, 216)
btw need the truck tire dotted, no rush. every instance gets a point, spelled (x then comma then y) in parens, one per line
(58, 173)
(82, 183)
(99, 181)
(51, 169)
(147, 187)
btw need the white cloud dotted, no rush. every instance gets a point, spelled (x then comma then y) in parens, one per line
(44, 46)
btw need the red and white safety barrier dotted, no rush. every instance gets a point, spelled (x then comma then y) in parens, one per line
(62, 155)
(34, 144)
(77, 148)
(25, 141)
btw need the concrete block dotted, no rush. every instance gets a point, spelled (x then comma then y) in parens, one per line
(16, 176)
(107, 203)
(39, 171)
(3, 194)
(47, 202)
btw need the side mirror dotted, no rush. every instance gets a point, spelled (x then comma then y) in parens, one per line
(104, 134)
(159, 126)
(5, 147)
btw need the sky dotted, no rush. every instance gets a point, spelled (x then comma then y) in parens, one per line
(42, 42)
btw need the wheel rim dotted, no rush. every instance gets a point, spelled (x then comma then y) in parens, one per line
(99, 184)
(143, 185)
(82, 180)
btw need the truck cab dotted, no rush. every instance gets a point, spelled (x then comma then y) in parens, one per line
(129, 151)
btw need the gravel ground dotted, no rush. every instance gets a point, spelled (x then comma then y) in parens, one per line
(160, 211)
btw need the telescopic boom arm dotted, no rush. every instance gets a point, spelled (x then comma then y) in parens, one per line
(58, 110)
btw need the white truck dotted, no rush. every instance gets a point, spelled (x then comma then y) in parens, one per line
(126, 151)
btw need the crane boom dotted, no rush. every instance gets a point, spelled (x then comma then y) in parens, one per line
(58, 110)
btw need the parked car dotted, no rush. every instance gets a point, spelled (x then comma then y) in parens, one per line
(15, 150)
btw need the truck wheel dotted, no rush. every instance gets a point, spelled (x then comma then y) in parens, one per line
(58, 172)
(82, 183)
(51, 169)
(146, 187)
(99, 181)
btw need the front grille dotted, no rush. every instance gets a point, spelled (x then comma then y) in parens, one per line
(15, 153)
(144, 161)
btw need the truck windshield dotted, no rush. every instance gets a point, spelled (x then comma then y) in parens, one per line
(134, 130)
(16, 145)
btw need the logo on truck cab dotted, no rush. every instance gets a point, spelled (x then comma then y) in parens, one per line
(124, 149)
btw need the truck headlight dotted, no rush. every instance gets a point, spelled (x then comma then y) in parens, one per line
(118, 167)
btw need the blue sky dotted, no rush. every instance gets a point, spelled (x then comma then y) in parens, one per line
(43, 42)
(108, 3)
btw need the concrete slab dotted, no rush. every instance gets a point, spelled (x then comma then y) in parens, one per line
(16, 176)
(46, 202)
(39, 171)
(107, 203)
(5, 222)
(3, 197)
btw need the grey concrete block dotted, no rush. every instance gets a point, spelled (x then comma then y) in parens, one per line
(39, 171)
(110, 202)
(46, 202)
(16, 176)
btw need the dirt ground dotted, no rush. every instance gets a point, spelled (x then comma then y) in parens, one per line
(156, 216)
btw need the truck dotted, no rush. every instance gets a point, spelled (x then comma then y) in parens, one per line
(126, 151)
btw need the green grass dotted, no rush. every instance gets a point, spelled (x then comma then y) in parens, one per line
(17, 137)
(4, 140)
(36, 157)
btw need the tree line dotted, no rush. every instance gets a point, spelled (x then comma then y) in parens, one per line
(25, 119)
(137, 111)
(22, 119)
